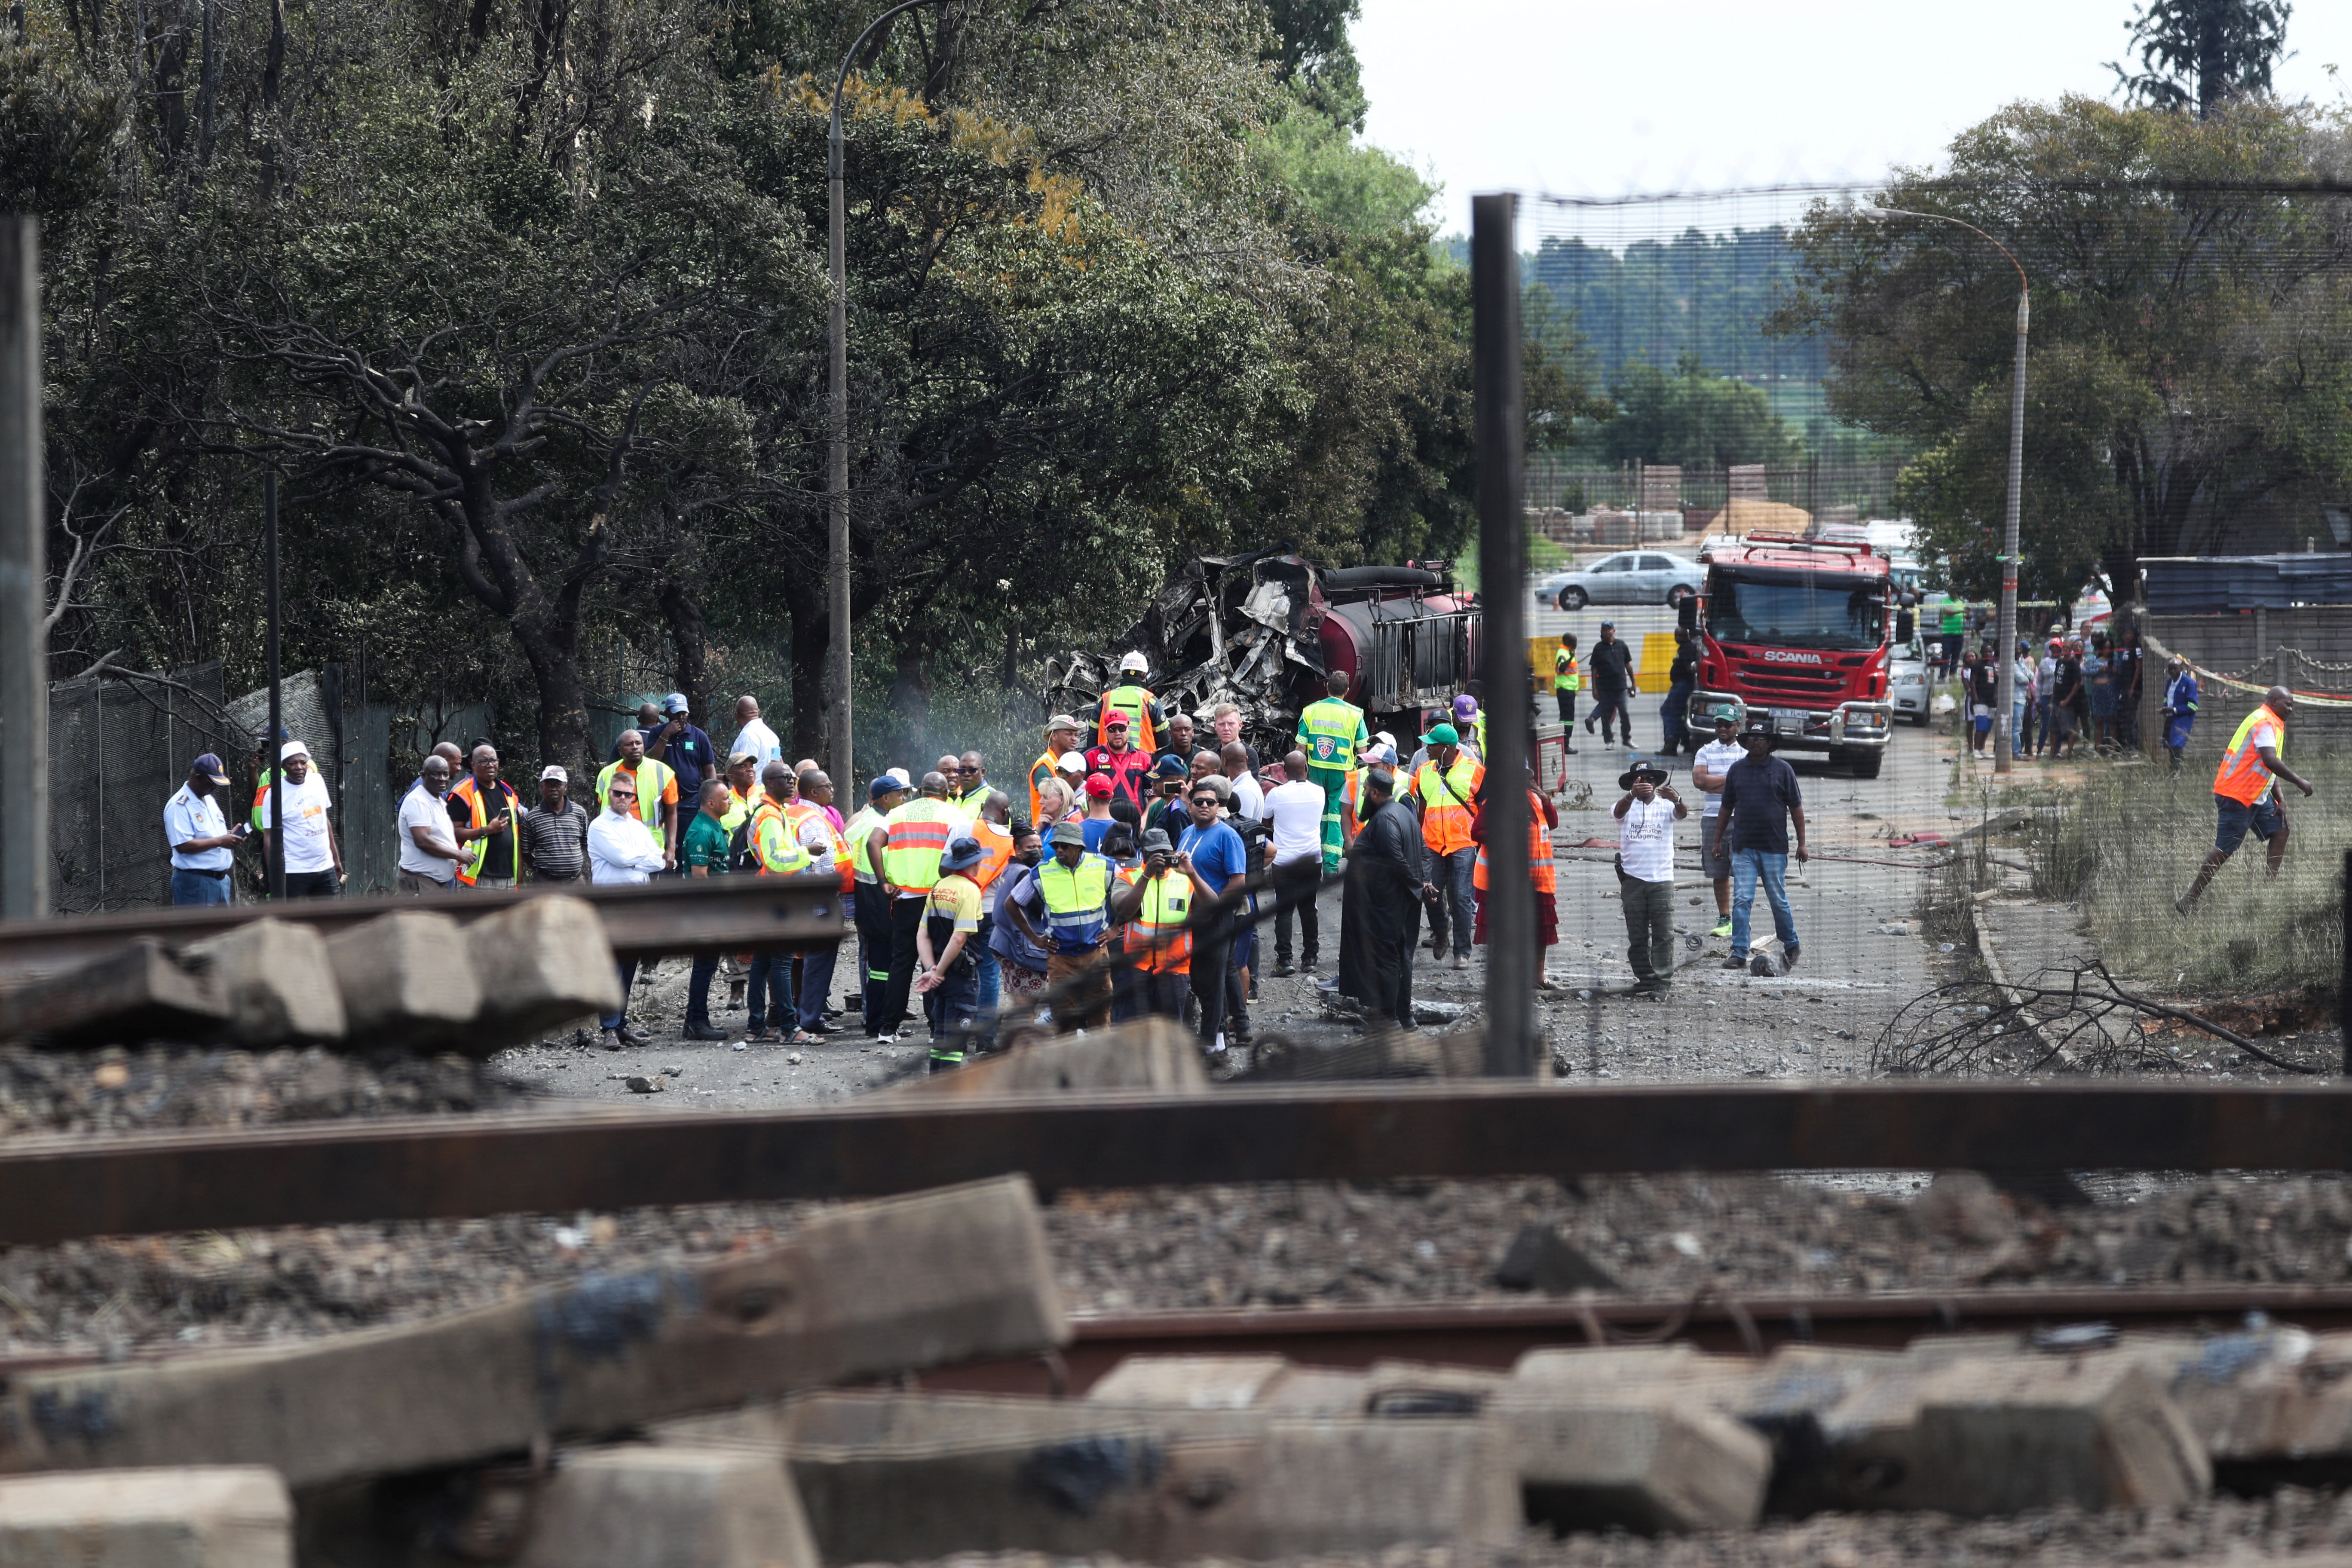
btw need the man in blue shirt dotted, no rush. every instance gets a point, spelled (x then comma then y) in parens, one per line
(2179, 707)
(202, 848)
(1759, 796)
(1213, 855)
(682, 744)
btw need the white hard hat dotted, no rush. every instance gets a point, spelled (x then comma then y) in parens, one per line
(1133, 661)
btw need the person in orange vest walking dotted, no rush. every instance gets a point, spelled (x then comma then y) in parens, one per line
(1542, 819)
(2246, 791)
(1445, 785)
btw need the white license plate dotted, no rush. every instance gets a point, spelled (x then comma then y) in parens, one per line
(1788, 723)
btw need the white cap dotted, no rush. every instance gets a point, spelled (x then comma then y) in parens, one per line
(552, 772)
(901, 775)
(292, 748)
(1072, 763)
(1133, 659)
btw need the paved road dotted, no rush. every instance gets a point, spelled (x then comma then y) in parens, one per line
(1850, 979)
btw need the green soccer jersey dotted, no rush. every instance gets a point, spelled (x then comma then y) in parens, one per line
(706, 844)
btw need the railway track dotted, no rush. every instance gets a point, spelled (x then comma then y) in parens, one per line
(1496, 1333)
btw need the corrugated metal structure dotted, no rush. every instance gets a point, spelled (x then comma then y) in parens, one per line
(2210, 584)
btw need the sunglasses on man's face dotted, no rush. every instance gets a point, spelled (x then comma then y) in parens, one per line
(621, 795)
(1204, 800)
(967, 769)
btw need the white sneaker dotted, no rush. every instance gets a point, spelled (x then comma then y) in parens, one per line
(1218, 1049)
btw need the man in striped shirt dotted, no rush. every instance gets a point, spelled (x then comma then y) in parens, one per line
(555, 836)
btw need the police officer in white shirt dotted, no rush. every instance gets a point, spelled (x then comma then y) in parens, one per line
(204, 848)
(1645, 873)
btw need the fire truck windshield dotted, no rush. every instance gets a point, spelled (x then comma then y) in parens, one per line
(1796, 609)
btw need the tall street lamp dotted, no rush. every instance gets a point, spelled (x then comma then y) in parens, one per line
(2006, 647)
(836, 498)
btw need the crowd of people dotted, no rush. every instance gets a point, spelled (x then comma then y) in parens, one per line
(1129, 873)
(2074, 692)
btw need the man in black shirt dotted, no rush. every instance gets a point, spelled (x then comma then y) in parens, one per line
(1682, 678)
(1759, 798)
(1614, 680)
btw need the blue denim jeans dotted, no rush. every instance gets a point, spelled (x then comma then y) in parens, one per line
(1748, 868)
(816, 984)
(198, 888)
(771, 976)
(698, 988)
(1453, 873)
(989, 979)
(628, 968)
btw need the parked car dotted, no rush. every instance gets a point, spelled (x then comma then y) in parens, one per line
(1544, 586)
(1908, 685)
(1631, 578)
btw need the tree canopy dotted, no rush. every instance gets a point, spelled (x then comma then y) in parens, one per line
(527, 303)
(2199, 54)
(2191, 342)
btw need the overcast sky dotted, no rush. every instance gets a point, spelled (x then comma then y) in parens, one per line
(1591, 99)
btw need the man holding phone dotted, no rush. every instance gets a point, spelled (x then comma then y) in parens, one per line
(202, 847)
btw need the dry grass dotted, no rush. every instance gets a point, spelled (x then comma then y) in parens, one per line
(2129, 841)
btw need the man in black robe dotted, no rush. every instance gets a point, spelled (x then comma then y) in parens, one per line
(1388, 881)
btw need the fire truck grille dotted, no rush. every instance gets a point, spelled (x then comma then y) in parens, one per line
(1760, 681)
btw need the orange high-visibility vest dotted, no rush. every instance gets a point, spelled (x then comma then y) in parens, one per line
(1157, 934)
(798, 813)
(1540, 866)
(1445, 799)
(996, 852)
(471, 867)
(1135, 703)
(918, 835)
(2241, 775)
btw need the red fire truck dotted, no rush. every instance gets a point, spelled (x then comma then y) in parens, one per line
(1798, 628)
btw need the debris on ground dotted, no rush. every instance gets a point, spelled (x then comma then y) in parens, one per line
(1261, 630)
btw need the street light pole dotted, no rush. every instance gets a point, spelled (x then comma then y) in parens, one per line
(837, 497)
(2006, 626)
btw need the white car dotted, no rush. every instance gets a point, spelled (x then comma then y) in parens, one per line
(1631, 578)
(1907, 685)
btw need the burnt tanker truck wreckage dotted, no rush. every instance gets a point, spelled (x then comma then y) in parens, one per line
(1263, 630)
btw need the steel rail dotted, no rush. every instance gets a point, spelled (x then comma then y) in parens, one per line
(53, 1187)
(738, 914)
(1491, 1334)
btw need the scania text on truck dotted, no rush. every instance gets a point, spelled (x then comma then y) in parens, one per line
(1798, 628)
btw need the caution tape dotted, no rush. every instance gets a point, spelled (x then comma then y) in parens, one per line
(2231, 683)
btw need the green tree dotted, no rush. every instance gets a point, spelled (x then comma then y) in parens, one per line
(2201, 53)
(1692, 418)
(2191, 335)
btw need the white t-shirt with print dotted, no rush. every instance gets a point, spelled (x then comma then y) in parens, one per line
(307, 805)
(1646, 840)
